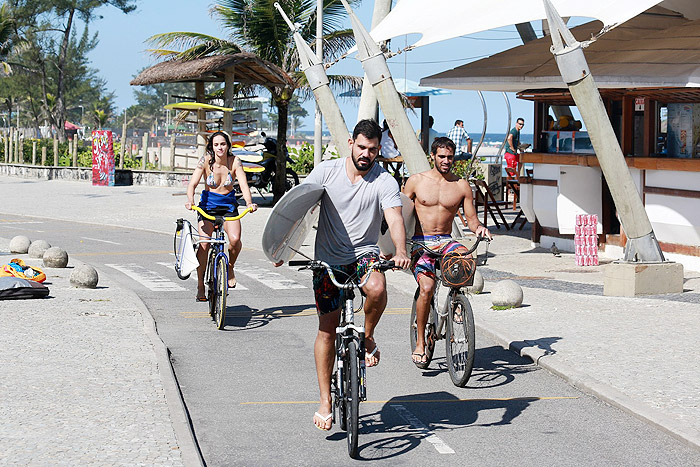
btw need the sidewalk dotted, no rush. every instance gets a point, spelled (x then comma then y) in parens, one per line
(85, 381)
(637, 354)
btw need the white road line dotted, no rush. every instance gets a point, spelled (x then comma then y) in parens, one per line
(193, 276)
(4, 226)
(415, 422)
(100, 240)
(148, 279)
(268, 278)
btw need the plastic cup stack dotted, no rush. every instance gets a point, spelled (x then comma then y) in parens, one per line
(586, 240)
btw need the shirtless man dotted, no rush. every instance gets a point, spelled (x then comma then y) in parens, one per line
(437, 195)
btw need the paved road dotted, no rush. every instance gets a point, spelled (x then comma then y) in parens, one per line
(250, 389)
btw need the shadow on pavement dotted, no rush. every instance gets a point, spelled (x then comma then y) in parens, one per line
(408, 420)
(244, 317)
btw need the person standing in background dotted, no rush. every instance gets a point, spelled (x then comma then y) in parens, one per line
(463, 143)
(512, 143)
(432, 134)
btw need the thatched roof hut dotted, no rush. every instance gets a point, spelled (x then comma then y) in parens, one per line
(247, 68)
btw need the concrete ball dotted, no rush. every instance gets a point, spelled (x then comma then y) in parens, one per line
(55, 257)
(20, 244)
(84, 276)
(507, 294)
(38, 248)
(478, 285)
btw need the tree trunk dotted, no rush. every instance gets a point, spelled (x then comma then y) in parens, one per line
(280, 180)
(60, 82)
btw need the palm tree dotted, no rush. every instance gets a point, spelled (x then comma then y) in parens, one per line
(256, 26)
(8, 37)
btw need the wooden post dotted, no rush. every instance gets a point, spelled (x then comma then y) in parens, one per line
(43, 156)
(11, 152)
(33, 152)
(20, 148)
(228, 98)
(7, 147)
(201, 116)
(172, 150)
(74, 150)
(124, 143)
(160, 157)
(55, 151)
(144, 150)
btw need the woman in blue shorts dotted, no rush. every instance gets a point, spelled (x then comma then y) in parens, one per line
(220, 169)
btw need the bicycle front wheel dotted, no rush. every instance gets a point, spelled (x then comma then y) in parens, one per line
(430, 334)
(220, 292)
(352, 397)
(460, 339)
(210, 280)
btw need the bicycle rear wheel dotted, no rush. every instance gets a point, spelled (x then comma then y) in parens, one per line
(430, 334)
(220, 292)
(352, 397)
(460, 338)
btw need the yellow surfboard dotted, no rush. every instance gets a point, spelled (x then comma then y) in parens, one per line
(192, 106)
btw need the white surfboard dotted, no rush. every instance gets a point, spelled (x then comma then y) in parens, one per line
(386, 246)
(290, 221)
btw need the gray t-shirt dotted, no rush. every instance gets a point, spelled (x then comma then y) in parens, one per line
(351, 215)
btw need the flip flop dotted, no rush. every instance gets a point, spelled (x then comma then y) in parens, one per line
(201, 299)
(371, 354)
(325, 419)
(421, 364)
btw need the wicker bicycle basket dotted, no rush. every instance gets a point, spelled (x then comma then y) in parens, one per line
(457, 270)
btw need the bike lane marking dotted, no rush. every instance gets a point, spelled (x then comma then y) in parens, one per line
(100, 240)
(193, 276)
(439, 445)
(149, 279)
(268, 278)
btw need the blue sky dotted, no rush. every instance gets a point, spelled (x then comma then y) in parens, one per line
(121, 54)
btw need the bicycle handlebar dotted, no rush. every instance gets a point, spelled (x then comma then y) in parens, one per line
(213, 218)
(479, 239)
(381, 265)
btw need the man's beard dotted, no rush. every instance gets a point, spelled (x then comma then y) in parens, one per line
(445, 171)
(369, 162)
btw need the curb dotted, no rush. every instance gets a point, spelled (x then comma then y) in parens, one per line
(590, 385)
(182, 425)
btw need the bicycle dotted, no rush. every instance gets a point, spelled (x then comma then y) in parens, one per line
(216, 273)
(348, 383)
(443, 324)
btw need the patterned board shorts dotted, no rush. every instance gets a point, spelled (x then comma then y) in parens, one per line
(327, 295)
(423, 263)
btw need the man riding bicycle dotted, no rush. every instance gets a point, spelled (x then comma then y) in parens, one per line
(437, 195)
(357, 192)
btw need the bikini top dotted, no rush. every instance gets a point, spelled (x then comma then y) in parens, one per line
(211, 182)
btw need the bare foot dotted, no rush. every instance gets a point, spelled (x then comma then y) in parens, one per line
(231, 278)
(372, 353)
(201, 295)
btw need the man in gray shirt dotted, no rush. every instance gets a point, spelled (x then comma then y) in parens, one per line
(357, 192)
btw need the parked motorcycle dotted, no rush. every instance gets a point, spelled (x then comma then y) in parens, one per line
(262, 180)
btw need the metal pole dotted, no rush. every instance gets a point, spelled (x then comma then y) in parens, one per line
(486, 118)
(642, 245)
(503, 144)
(318, 120)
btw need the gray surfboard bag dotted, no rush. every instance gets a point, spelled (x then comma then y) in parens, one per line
(12, 288)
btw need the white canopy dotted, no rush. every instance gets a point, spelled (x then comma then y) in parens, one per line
(655, 49)
(439, 20)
